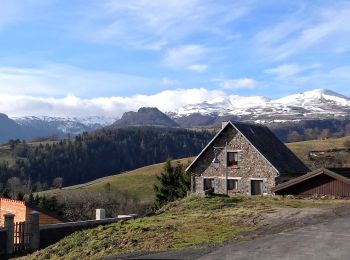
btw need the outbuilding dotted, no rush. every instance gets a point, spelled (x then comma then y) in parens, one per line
(324, 181)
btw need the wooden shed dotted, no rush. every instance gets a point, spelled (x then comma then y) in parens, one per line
(324, 181)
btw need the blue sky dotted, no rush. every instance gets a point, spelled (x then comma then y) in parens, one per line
(116, 53)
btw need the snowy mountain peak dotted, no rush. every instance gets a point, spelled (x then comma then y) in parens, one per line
(316, 97)
(317, 103)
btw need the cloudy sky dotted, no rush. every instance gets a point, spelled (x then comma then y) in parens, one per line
(104, 57)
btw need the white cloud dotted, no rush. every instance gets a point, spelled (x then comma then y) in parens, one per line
(20, 105)
(198, 67)
(16, 11)
(153, 24)
(60, 80)
(305, 29)
(167, 82)
(241, 83)
(187, 57)
(289, 70)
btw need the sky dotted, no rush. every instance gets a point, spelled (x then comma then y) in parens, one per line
(105, 57)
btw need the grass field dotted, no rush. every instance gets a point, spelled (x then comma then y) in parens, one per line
(138, 183)
(301, 149)
(193, 222)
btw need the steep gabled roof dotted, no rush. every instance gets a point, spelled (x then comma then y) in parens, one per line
(268, 145)
(342, 175)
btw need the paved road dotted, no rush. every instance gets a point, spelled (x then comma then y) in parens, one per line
(322, 241)
(329, 240)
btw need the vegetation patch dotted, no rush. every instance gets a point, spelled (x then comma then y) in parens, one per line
(188, 223)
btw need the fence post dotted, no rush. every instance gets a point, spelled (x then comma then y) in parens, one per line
(9, 225)
(34, 230)
(100, 214)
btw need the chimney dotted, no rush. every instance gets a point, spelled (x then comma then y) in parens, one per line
(223, 124)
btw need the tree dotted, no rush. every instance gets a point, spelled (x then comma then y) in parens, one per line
(173, 184)
(57, 182)
(325, 134)
(294, 136)
(347, 144)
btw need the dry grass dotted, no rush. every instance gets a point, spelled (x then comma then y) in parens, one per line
(192, 222)
(302, 149)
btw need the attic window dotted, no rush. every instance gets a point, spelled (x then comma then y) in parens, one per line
(232, 159)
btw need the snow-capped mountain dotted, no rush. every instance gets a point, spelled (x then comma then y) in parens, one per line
(314, 104)
(309, 105)
(65, 125)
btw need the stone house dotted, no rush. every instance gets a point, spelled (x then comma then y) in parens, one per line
(243, 159)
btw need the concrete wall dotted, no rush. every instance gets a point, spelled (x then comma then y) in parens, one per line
(50, 234)
(252, 165)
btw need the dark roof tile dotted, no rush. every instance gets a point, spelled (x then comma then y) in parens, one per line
(276, 152)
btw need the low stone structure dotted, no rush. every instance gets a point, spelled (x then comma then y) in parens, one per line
(243, 159)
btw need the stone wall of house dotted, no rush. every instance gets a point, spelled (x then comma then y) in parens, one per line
(251, 165)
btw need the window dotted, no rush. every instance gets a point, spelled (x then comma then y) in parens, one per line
(208, 184)
(232, 184)
(232, 158)
(256, 187)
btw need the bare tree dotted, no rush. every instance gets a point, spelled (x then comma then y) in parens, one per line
(325, 134)
(15, 187)
(57, 182)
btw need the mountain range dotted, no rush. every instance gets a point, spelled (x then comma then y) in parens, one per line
(314, 105)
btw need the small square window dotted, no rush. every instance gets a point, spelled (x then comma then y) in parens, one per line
(208, 184)
(232, 184)
(232, 158)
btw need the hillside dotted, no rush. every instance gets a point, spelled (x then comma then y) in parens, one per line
(94, 155)
(137, 183)
(193, 222)
(323, 153)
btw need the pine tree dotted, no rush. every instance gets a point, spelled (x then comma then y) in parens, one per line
(173, 184)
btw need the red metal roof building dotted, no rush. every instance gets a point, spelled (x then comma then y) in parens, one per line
(324, 181)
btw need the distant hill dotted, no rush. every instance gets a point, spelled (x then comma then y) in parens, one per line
(9, 129)
(93, 155)
(145, 116)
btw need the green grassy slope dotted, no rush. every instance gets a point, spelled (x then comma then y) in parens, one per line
(138, 183)
(192, 222)
(301, 149)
